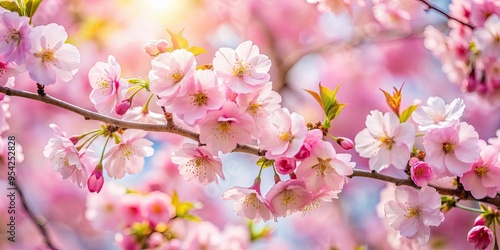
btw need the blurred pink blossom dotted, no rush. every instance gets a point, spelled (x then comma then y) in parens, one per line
(15, 41)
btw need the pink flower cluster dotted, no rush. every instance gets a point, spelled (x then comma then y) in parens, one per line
(153, 221)
(317, 174)
(470, 56)
(40, 50)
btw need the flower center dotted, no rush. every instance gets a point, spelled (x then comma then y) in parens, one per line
(240, 69)
(419, 172)
(323, 166)
(480, 171)
(251, 200)
(449, 148)
(14, 37)
(224, 127)
(286, 136)
(127, 151)
(47, 56)
(288, 197)
(412, 212)
(176, 77)
(254, 109)
(199, 99)
(438, 117)
(387, 141)
(157, 208)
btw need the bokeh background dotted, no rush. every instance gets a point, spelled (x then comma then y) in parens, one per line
(306, 47)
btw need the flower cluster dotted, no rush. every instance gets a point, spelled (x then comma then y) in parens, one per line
(40, 50)
(470, 56)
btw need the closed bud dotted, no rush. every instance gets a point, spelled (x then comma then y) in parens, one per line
(285, 165)
(345, 143)
(74, 139)
(95, 181)
(123, 107)
(481, 236)
(162, 46)
(151, 48)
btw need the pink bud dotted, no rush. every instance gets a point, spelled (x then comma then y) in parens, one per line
(421, 172)
(481, 236)
(95, 181)
(123, 107)
(480, 221)
(256, 185)
(155, 240)
(151, 48)
(345, 143)
(285, 165)
(303, 153)
(162, 46)
(74, 139)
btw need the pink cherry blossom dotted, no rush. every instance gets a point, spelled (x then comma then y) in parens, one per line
(169, 74)
(318, 199)
(421, 172)
(243, 69)
(437, 114)
(95, 181)
(325, 168)
(139, 114)
(337, 6)
(197, 163)
(249, 202)
(312, 137)
(131, 210)
(285, 165)
(391, 15)
(287, 197)
(495, 141)
(128, 155)
(103, 208)
(203, 94)
(157, 208)
(484, 177)
(414, 211)
(451, 150)
(108, 89)
(260, 104)
(284, 135)
(481, 10)
(385, 141)
(4, 114)
(224, 128)
(345, 143)
(487, 39)
(481, 236)
(8, 71)
(203, 235)
(65, 158)
(50, 58)
(236, 237)
(14, 37)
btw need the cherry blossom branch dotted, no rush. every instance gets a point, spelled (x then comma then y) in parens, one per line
(172, 128)
(430, 6)
(39, 221)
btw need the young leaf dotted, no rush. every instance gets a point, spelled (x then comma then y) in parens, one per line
(264, 162)
(327, 97)
(31, 7)
(197, 50)
(178, 41)
(407, 113)
(12, 6)
(316, 96)
(394, 100)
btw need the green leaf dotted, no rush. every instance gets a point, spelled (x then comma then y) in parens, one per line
(196, 50)
(264, 162)
(31, 7)
(407, 113)
(12, 6)
(327, 97)
(335, 110)
(315, 95)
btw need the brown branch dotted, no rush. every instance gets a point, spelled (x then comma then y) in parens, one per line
(89, 115)
(430, 6)
(39, 221)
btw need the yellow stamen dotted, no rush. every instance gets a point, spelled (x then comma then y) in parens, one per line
(387, 141)
(286, 136)
(480, 171)
(199, 99)
(47, 56)
(239, 69)
(449, 148)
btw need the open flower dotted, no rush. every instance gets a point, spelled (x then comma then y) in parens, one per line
(484, 177)
(325, 168)
(196, 163)
(224, 128)
(260, 104)
(437, 114)
(414, 211)
(385, 141)
(128, 155)
(157, 208)
(50, 57)
(487, 38)
(14, 37)
(249, 202)
(287, 197)
(451, 150)
(243, 69)
(284, 134)
(108, 89)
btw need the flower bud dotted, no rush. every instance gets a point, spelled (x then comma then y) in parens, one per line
(480, 221)
(421, 172)
(345, 143)
(162, 46)
(155, 240)
(285, 165)
(123, 107)
(151, 48)
(95, 181)
(74, 139)
(481, 236)
(303, 153)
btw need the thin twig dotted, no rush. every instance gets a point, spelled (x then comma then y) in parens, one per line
(433, 7)
(40, 222)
